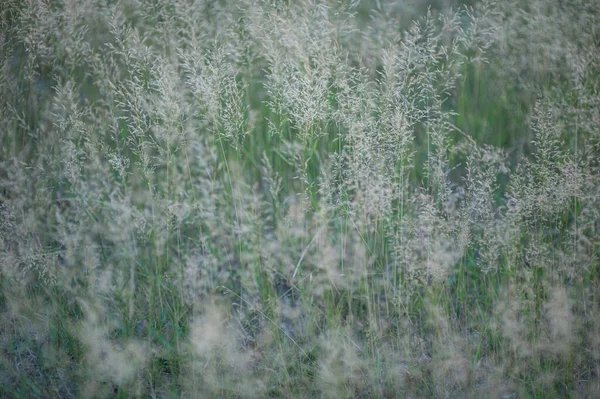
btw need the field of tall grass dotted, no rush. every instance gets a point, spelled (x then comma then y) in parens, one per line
(302, 198)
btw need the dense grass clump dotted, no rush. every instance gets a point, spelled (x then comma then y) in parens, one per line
(261, 198)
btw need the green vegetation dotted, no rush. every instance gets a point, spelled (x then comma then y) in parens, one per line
(265, 198)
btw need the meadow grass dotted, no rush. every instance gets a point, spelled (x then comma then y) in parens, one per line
(265, 198)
